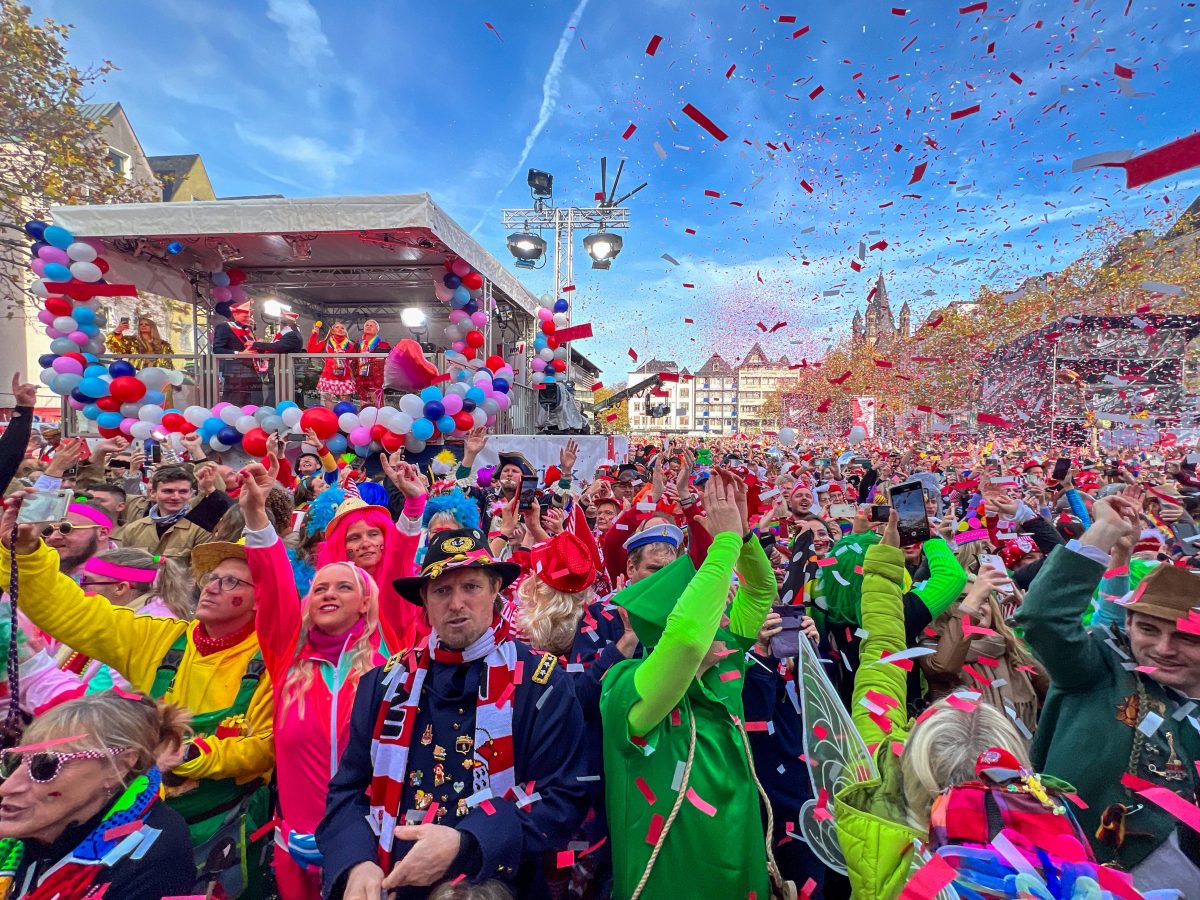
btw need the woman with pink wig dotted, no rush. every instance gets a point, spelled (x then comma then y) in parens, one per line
(315, 651)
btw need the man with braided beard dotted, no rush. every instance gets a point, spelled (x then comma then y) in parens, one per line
(465, 753)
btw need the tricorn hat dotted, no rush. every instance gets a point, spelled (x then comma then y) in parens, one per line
(462, 548)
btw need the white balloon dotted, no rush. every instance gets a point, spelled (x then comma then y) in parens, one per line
(560, 352)
(546, 353)
(176, 377)
(402, 423)
(560, 319)
(143, 431)
(347, 422)
(230, 414)
(858, 434)
(46, 376)
(272, 423)
(547, 302)
(86, 271)
(39, 288)
(81, 252)
(197, 415)
(217, 445)
(459, 388)
(368, 416)
(490, 406)
(537, 378)
(130, 410)
(151, 413)
(65, 324)
(413, 405)
(787, 436)
(245, 424)
(479, 416)
(291, 416)
(412, 445)
(153, 377)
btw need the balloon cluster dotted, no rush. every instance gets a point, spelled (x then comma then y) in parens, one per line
(462, 287)
(227, 286)
(471, 399)
(550, 357)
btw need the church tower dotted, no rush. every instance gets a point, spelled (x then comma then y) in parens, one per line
(905, 320)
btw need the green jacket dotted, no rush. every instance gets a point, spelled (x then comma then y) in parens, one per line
(871, 820)
(1088, 733)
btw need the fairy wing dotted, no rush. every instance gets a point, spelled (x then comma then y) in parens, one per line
(835, 752)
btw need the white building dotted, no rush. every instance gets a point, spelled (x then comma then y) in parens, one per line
(671, 401)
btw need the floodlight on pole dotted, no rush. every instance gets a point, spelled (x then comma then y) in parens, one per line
(413, 317)
(541, 184)
(526, 247)
(603, 247)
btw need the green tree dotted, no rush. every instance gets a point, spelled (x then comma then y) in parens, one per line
(49, 152)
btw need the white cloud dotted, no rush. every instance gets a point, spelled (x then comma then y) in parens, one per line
(313, 154)
(302, 25)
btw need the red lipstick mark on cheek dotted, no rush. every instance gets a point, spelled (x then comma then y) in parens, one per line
(238, 601)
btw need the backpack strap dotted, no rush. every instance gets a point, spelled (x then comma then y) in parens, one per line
(254, 672)
(165, 676)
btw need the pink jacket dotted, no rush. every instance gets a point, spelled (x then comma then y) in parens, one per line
(311, 734)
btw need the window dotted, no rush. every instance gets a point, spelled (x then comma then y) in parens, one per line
(118, 162)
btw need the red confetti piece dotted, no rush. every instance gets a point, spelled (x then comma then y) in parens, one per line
(710, 193)
(427, 819)
(841, 379)
(633, 354)
(804, 184)
(962, 11)
(704, 122)
(729, 71)
(963, 113)
(820, 732)
(629, 132)
(800, 32)
(652, 47)
(816, 92)
(787, 20)
(566, 859)
(929, 880)
(492, 29)
(688, 284)
(1015, 77)
(574, 332)
(119, 831)
(899, 11)
(656, 827)
(645, 789)
(701, 804)
(566, 289)
(1122, 71)
(918, 173)
(989, 419)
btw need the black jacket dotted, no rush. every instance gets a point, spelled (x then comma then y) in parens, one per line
(13, 443)
(285, 342)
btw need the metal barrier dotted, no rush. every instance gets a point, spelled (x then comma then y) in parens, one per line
(266, 379)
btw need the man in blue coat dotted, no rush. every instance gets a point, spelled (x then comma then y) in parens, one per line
(464, 756)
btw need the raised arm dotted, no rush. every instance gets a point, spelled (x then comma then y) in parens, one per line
(947, 578)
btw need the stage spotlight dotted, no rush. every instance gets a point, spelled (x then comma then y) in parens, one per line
(541, 183)
(527, 247)
(602, 247)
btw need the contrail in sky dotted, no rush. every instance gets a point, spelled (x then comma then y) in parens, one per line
(549, 102)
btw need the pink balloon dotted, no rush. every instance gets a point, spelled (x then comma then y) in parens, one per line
(250, 409)
(457, 316)
(222, 294)
(126, 424)
(67, 366)
(458, 347)
(452, 403)
(38, 266)
(442, 292)
(360, 436)
(491, 420)
(238, 293)
(73, 403)
(479, 319)
(46, 317)
(539, 364)
(78, 337)
(53, 332)
(54, 255)
(502, 400)
(461, 267)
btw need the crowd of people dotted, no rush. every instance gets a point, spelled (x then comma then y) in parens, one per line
(719, 669)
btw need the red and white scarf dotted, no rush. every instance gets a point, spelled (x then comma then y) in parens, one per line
(396, 723)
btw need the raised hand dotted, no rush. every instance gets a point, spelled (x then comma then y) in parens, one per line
(27, 534)
(257, 482)
(475, 441)
(194, 445)
(721, 513)
(891, 531)
(683, 481)
(567, 457)
(65, 457)
(23, 394)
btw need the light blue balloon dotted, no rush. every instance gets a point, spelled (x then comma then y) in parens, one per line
(539, 342)
(59, 237)
(83, 315)
(89, 329)
(94, 371)
(336, 444)
(109, 420)
(90, 411)
(56, 272)
(549, 377)
(476, 394)
(220, 279)
(422, 429)
(431, 393)
(94, 387)
(445, 424)
(63, 345)
(462, 296)
(286, 404)
(65, 382)
(158, 398)
(210, 427)
(363, 450)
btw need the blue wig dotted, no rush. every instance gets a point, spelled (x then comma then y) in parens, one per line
(322, 510)
(463, 508)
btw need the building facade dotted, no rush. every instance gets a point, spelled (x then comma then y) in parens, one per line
(757, 377)
(668, 408)
(878, 327)
(715, 397)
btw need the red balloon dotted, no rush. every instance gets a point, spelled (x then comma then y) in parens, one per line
(173, 421)
(392, 441)
(188, 428)
(472, 281)
(469, 352)
(254, 441)
(320, 420)
(548, 326)
(560, 365)
(109, 404)
(60, 306)
(101, 264)
(236, 277)
(377, 432)
(127, 389)
(463, 421)
(495, 363)
(110, 432)
(474, 339)
(78, 357)
(551, 342)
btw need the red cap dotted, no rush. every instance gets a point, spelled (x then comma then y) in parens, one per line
(564, 563)
(1012, 552)
(1030, 464)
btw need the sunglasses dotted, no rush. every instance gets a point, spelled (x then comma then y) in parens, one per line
(44, 766)
(87, 583)
(63, 528)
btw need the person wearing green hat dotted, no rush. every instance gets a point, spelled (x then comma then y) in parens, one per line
(681, 792)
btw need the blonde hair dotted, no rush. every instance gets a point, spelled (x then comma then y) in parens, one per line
(362, 654)
(174, 585)
(967, 554)
(107, 719)
(153, 344)
(548, 616)
(1014, 647)
(464, 890)
(941, 751)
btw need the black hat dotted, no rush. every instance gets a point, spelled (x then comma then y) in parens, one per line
(629, 472)
(463, 548)
(512, 458)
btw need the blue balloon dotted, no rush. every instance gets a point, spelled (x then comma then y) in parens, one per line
(79, 396)
(94, 371)
(46, 360)
(451, 281)
(91, 411)
(156, 397)
(549, 377)
(434, 410)
(210, 427)
(93, 387)
(120, 369)
(58, 236)
(446, 424)
(462, 295)
(90, 357)
(422, 429)
(83, 315)
(286, 404)
(431, 393)
(362, 450)
(560, 305)
(89, 329)
(229, 435)
(36, 248)
(109, 419)
(56, 272)
(344, 407)
(36, 229)
(476, 393)
(336, 444)
(471, 308)
(539, 342)
(220, 279)
(500, 384)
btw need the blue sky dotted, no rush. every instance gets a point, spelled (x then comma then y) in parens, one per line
(311, 98)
